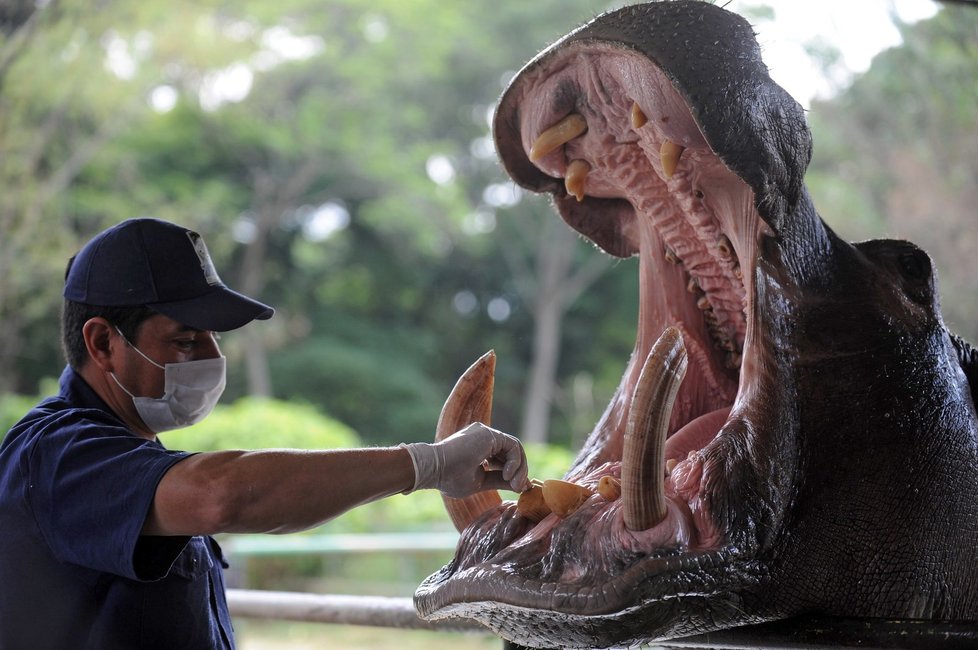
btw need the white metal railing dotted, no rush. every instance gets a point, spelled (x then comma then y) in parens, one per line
(265, 545)
(375, 611)
(339, 609)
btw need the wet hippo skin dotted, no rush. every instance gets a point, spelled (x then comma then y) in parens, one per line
(795, 432)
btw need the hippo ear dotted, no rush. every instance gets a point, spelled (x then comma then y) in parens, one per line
(968, 358)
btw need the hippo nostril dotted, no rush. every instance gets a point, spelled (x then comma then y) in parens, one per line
(915, 265)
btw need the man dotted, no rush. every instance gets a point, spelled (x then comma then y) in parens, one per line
(104, 533)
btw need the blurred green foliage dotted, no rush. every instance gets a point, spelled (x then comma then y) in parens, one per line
(314, 191)
(319, 188)
(896, 153)
(13, 408)
(257, 423)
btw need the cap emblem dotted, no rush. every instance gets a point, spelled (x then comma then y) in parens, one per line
(210, 273)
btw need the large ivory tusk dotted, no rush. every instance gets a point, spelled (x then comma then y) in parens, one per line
(470, 401)
(642, 464)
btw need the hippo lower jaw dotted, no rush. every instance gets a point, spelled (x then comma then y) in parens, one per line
(698, 236)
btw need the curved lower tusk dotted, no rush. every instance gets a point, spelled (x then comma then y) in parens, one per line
(670, 152)
(558, 135)
(470, 401)
(643, 464)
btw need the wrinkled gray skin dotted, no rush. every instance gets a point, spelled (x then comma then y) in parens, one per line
(845, 479)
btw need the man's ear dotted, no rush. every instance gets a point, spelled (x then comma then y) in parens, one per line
(99, 340)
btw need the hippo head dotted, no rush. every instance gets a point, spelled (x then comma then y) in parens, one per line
(794, 432)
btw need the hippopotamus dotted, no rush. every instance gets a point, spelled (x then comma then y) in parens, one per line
(795, 432)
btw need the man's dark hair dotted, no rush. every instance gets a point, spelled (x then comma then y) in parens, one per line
(74, 315)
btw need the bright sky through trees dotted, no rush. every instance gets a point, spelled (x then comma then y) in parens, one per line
(858, 29)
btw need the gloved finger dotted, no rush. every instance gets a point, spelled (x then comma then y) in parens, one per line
(517, 475)
(495, 481)
(514, 470)
(513, 457)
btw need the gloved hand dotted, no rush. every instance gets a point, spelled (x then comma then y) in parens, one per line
(468, 461)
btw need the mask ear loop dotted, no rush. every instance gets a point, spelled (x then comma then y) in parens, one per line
(140, 352)
(129, 343)
(119, 384)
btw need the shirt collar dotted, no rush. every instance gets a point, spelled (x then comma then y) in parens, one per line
(76, 391)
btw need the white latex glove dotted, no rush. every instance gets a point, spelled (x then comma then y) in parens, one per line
(468, 461)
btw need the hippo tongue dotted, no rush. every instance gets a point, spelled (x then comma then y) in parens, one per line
(696, 434)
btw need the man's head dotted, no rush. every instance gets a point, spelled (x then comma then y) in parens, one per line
(142, 305)
(142, 267)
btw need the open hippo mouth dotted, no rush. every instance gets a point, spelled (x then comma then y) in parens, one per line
(627, 142)
(658, 133)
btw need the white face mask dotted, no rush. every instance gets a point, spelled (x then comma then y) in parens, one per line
(190, 391)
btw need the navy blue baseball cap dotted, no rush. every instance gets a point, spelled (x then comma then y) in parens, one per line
(163, 266)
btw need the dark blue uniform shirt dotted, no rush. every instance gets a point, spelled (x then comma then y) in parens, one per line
(75, 488)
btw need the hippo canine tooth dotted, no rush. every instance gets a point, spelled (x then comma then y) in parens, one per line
(725, 248)
(609, 487)
(564, 497)
(670, 152)
(671, 257)
(558, 135)
(643, 460)
(638, 117)
(531, 503)
(577, 173)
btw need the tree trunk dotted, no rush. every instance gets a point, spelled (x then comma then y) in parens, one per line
(558, 285)
(252, 283)
(540, 389)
